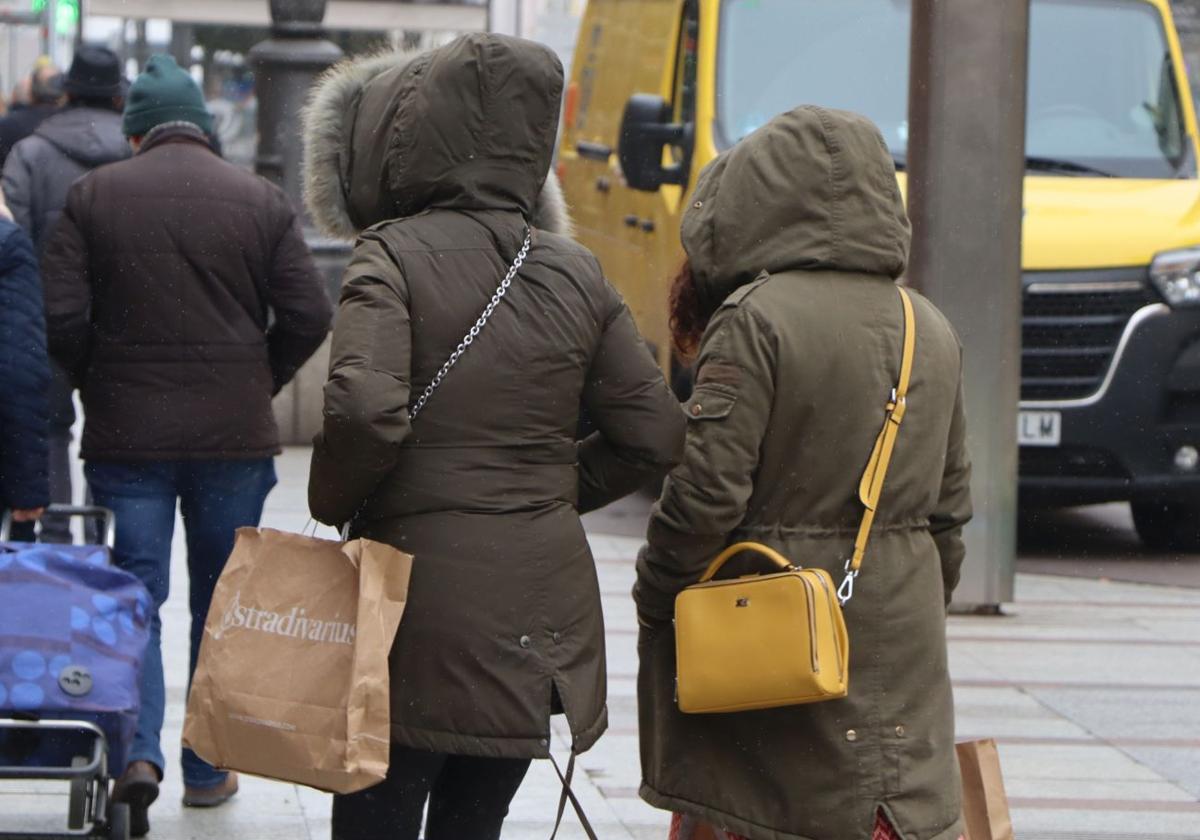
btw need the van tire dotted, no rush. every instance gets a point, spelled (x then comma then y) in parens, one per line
(1168, 526)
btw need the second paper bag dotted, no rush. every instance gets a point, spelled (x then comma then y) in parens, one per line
(292, 680)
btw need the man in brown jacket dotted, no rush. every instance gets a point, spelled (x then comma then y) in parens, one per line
(181, 298)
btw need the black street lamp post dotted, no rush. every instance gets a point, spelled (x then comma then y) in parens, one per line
(285, 66)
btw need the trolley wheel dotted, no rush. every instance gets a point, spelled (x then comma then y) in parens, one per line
(77, 804)
(118, 821)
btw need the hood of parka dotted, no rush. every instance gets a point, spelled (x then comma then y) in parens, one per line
(89, 136)
(470, 126)
(812, 189)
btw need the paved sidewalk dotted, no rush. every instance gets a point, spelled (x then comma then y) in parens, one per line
(1092, 689)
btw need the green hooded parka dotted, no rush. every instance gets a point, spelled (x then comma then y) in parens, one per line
(797, 234)
(442, 158)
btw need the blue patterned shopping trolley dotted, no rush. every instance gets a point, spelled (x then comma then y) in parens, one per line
(73, 631)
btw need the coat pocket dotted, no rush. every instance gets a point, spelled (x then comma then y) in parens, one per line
(710, 402)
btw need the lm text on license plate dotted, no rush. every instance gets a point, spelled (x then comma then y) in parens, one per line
(1039, 428)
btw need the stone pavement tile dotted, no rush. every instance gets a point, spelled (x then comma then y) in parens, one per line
(637, 816)
(225, 822)
(971, 727)
(1179, 764)
(515, 829)
(1176, 629)
(1076, 823)
(1092, 789)
(1021, 625)
(606, 547)
(1007, 713)
(964, 666)
(1084, 762)
(1046, 589)
(613, 763)
(1161, 714)
(1002, 701)
(33, 816)
(33, 787)
(1098, 665)
(620, 614)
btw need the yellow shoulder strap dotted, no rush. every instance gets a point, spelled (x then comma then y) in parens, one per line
(871, 486)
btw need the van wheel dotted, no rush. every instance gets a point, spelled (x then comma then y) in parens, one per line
(1169, 526)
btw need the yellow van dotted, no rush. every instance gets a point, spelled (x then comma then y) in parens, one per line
(1110, 388)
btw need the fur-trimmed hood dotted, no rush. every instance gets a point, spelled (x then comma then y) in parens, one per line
(470, 125)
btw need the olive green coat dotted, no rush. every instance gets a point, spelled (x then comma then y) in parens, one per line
(800, 230)
(446, 156)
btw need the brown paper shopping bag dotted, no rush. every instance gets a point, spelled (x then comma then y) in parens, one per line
(985, 804)
(292, 681)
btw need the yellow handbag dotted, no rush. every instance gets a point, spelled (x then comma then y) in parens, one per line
(780, 639)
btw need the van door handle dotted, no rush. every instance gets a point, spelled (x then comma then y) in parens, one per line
(631, 220)
(593, 151)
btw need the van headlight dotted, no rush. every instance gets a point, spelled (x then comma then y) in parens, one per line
(1176, 274)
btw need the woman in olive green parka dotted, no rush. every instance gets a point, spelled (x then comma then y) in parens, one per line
(794, 239)
(438, 162)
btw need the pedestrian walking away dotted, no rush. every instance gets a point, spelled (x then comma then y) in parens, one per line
(467, 458)
(37, 175)
(178, 318)
(24, 380)
(43, 89)
(794, 239)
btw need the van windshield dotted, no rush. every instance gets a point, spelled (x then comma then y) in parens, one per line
(1101, 99)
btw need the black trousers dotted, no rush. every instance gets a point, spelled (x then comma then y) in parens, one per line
(468, 798)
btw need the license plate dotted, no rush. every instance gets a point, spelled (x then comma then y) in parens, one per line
(1039, 428)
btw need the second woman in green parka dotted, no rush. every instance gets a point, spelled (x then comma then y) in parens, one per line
(794, 240)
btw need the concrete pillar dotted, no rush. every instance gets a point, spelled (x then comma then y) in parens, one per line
(285, 67)
(966, 166)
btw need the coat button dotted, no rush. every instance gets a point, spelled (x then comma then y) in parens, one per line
(899, 731)
(697, 409)
(557, 638)
(851, 735)
(526, 641)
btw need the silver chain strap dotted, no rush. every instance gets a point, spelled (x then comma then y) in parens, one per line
(473, 333)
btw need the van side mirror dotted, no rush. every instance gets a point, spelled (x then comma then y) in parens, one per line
(646, 129)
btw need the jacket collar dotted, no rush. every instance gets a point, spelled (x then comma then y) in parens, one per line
(174, 132)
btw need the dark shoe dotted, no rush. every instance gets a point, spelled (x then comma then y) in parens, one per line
(210, 797)
(137, 787)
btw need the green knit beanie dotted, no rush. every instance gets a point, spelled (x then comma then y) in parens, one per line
(164, 93)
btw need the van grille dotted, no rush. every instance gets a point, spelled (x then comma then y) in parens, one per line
(1071, 325)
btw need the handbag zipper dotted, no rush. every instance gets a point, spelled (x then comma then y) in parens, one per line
(833, 623)
(812, 622)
